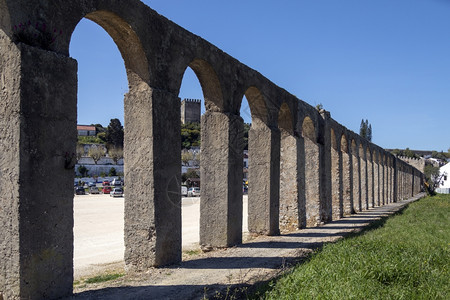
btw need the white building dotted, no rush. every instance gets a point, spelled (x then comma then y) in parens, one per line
(444, 185)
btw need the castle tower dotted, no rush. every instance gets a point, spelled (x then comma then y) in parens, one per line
(190, 111)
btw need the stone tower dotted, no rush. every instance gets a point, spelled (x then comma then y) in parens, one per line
(190, 111)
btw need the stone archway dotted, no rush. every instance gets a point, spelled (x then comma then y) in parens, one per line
(264, 172)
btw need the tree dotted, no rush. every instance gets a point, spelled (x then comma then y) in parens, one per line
(246, 130)
(190, 135)
(431, 177)
(114, 134)
(96, 153)
(116, 153)
(80, 151)
(112, 172)
(365, 130)
(83, 171)
(186, 157)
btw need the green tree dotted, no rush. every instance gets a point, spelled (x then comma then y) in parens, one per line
(112, 172)
(83, 171)
(114, 134)
(431, 176)
(246, 130)
(365, 130)
(190, 135)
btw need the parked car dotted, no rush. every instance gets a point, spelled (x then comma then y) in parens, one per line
(106, 182)
(184, 191)
(106, 189)
(94, 190)
(79, 190)
(91, 184)
(194, 192)
(116, 182)
(116, 192)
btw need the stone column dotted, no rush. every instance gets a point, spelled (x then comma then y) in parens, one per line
(152, 176)
(264, 180)
(38, 118)
(370, 182)
(221, 173)
(363, 174)
(336, 184)
(291, 209)
(376, 183)
(312, 183)
(346, 181)
(356, 180)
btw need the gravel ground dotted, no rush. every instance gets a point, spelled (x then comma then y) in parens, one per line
(231, 271)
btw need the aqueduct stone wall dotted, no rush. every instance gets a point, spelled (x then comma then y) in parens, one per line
(305, 169)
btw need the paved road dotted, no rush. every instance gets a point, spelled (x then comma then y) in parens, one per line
(98, 230)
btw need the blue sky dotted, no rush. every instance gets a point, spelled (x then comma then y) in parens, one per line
(387, 61)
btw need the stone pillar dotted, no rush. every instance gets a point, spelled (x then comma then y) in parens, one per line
(363, 174)
(291, 209)
(38, 136)
(370, 182)
(221, 174)
(395, 180)
(263, 180)
(312, 182)
(152, 175)
(376, 183)
(346, 183)
(385, 181)
(336, 184)
(356, 181)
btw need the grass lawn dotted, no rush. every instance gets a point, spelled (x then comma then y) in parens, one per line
(406, 256)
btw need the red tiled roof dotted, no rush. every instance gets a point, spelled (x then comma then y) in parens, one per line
(85, 127)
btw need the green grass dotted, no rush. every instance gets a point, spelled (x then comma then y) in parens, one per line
(97, 279)
(406, 256)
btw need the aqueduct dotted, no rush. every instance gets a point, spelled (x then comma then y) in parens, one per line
(306, 169)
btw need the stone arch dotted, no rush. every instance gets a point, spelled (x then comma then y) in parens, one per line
(285, 119)
(264, 168)
(308, 129)
(127, 41)
(258, 107)
(312, 173)
(209, 81)
(136, 66)
(346, 176)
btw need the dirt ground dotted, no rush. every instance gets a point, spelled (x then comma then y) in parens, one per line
(226, 272)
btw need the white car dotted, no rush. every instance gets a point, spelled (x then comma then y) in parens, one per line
(184, 191)
(116, 192)
(193, 192)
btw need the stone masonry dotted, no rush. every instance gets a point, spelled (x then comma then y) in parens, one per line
(305, 168)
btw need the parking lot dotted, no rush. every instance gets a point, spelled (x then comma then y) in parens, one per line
(99, 226)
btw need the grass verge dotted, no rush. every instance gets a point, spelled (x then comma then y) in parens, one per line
(403, 257)
(99, 278)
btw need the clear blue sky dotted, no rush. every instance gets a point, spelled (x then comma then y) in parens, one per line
(387, 61)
